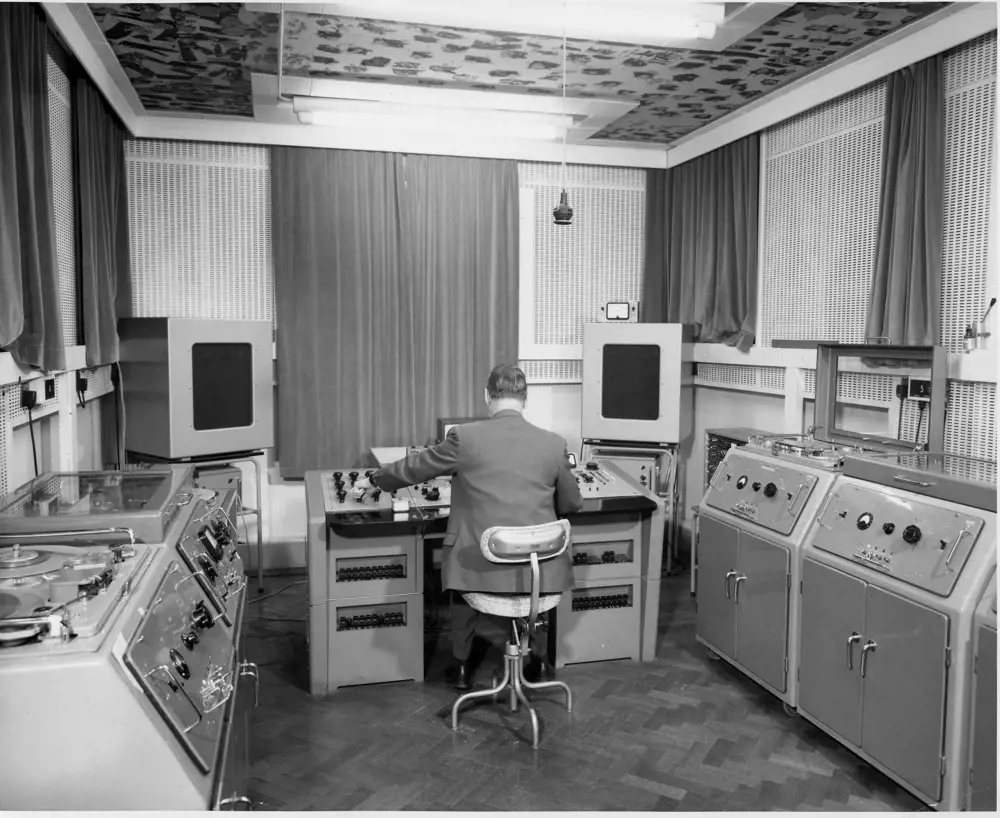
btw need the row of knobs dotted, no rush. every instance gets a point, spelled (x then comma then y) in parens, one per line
(338, 483)
(589, 603)
(201, 619)
(769, 490)
(911, 534)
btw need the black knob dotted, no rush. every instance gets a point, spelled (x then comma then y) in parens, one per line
(756, 486)
(433, 495)
(341, 496)
(180, 665)
(911, 534)
(888, 528)
(865, 521)
(741, 483)
(189, 639)
(353, 475)
(208, 567)
(337, 475)
(770, 490)
(201, 617)
(376, 494)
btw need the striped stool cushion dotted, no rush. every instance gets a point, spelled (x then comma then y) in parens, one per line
(512, 606)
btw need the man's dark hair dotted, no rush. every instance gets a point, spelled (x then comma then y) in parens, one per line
(507, 381)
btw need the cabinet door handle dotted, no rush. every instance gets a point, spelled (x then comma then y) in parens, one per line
(739, 579)
(854, 637)
(250, 669)
(954, 548)
(729, 576)
(869, 646)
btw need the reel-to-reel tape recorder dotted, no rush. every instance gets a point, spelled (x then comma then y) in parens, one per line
(120, 643)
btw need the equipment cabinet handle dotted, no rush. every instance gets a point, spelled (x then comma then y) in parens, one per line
(869, 646)
(739, 579)
(234, 801)
(729, 576)
(854, 637)
(250, 669)
(900, 479)
(954, 548)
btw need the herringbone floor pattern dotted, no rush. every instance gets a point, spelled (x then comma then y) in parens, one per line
(682, 733)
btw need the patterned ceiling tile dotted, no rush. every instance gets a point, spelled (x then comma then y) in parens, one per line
(199, 58)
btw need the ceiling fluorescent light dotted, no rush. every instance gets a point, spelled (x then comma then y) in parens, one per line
(433, 124)
(646, 22)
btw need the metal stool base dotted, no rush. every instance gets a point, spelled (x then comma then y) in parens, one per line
(513, 679)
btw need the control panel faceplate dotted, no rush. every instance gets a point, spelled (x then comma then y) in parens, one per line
(184, 661)
(595, 480)
(208, 546)
(916, 542)
(771, 494)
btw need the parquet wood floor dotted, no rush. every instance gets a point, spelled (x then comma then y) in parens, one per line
(682, 733)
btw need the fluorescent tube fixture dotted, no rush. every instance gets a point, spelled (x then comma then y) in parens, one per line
(645, 22)
(445, 121)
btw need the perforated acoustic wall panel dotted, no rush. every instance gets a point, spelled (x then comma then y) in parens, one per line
(5, 429)
(749, 378)
(970, 113)
(63, 188)
(567, 371)
(200, 219)
(821, 187)
(578, 268)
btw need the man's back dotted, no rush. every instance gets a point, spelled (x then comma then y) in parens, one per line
(506, 472)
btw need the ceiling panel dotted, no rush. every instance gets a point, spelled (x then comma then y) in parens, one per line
(197, 58)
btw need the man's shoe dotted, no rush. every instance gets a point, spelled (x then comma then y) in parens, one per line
(460, 676)
(537, 670)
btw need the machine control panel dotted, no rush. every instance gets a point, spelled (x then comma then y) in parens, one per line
(595, 480)
(770, 494)
(914, 541)
(208, 546)
(185, 661)
(340, 494)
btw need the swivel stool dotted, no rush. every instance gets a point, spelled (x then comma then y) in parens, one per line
(519, 544)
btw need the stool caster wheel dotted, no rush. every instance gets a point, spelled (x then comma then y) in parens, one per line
(790, 711)
(712, 655)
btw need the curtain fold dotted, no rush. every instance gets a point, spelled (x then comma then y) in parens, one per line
(700, 260)
(905, 296)
(30, 322)
(395, 292)
(460, 228)
(102, 193)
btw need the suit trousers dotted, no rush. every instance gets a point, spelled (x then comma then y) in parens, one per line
(467, 623)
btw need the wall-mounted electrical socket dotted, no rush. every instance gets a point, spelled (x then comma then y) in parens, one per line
(903, 388)
(920, 389)
(81, 383)
(50, 388)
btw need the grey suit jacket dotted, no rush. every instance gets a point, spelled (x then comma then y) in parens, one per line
(506, 471)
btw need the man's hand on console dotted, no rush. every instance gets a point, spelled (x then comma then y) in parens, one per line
(362, 485)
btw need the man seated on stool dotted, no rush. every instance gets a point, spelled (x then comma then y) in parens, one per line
(505, 472)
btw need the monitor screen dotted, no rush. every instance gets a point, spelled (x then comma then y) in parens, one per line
(222, 385)
(630, 381)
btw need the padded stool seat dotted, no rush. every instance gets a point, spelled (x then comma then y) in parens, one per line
(509, 605)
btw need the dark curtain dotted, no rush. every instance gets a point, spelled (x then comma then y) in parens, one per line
(30, 325)
(396, 291)
(460, 229)
(700, 261)
(343, 307)
(905, 298)
(102, 193)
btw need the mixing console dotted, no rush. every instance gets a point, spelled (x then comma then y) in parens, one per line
(340, 495)
(595, 480)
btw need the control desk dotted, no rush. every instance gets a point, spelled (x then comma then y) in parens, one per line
(366, 553)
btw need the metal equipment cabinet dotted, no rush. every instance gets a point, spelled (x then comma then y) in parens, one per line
(752, 522)
(872, 669)
(983, 767)
(893, 569)
(743, 599)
